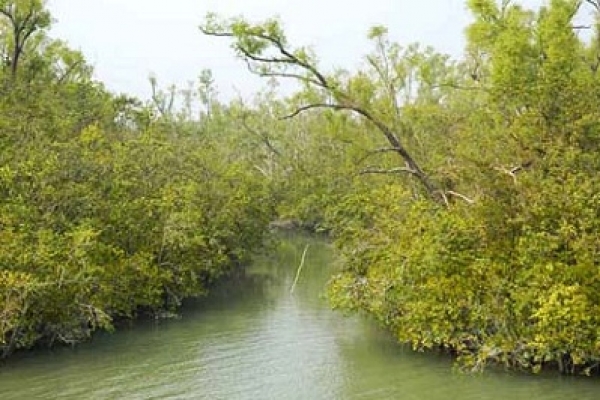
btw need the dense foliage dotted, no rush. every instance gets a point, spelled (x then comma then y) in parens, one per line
(108, 207)
(463, 195)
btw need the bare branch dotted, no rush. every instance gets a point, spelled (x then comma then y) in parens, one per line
(512, 172)
(261, 170)
(271, 74)
(263, 136)
(215, 33)
(69, 70)
(378, 151)
(460, 87)
(313, 106)
(7, 15)
(287, 75)
(373, 170)
(461, 196)
(320, 77)
(594, 3)
(265, 60)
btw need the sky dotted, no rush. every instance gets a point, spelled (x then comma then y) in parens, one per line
(128, 40)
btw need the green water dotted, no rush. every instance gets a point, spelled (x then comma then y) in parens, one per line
(258, 341)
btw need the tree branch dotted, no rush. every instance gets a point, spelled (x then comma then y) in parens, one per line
(264, 137)
(244, 45)
(460, 87)
(388, 133)
(594, 3)
(8, 15)
(69, 70)
(320, 77)
(289, 59)
(461, 196)
(378, 151)
(302, 109)
(289, 75)
(512, 172)
(374, 170)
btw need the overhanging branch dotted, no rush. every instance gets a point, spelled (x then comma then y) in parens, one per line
(252, 41)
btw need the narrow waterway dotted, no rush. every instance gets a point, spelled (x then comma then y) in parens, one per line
(255, 340)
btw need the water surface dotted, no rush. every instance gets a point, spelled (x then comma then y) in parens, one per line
(256, 340)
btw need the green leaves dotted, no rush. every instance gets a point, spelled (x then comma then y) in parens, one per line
(107, 211)
(116, 224)
(249, 39)
(513, 277)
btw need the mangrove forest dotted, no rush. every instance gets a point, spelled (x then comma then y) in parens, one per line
(461, 195)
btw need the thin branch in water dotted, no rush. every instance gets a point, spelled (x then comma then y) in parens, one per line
(299, 269)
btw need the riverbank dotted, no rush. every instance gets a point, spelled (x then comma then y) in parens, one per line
(256, 340)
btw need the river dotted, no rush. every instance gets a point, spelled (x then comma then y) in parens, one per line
(259, 341)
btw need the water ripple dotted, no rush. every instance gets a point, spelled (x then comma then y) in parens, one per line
(260, 342)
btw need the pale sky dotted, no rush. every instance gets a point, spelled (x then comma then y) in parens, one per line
(127, 40)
